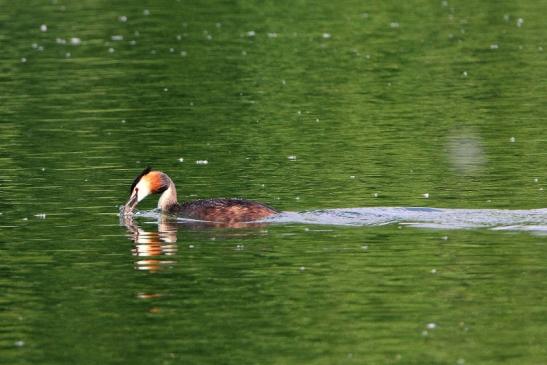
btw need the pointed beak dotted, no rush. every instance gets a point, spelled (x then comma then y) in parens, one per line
(132, 202)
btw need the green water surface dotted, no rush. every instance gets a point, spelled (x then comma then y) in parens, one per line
(299, 104)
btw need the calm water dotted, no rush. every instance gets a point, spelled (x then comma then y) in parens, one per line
(355, 106)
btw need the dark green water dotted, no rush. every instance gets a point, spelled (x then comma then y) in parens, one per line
(302, 105)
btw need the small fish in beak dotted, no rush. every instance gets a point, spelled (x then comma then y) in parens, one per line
(132, 202)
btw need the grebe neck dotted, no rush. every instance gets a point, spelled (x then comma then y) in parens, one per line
(168, 198)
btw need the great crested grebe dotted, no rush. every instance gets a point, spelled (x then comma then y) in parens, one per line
(211, 210)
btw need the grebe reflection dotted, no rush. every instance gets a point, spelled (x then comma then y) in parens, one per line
(157, 248)
(152, 249)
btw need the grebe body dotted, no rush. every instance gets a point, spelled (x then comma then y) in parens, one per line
(212, 210)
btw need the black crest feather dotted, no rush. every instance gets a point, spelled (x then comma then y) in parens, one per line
(137, 179)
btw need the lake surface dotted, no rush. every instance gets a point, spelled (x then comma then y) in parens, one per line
(342, 115)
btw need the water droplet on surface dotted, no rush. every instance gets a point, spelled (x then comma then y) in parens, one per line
(375, 195)
(251, 33)
(43, 28)
(202, 162)
(23, 60)
(302, 268)
(512, 139)
(431, 326)
(272, 35)
(146, 12)
(520, 22)
(494, 46)
(181, 159)
(326, 35)
(122, 18)
(117, 37)
(75, 41)
(426, 195)
(394, 25)
(433, 271)
(464, 74)
(19, 343)
(291, 157)
(111, 50)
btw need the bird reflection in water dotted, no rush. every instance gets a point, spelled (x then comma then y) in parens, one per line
(153, 249)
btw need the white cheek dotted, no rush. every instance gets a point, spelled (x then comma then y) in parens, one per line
(144, 190)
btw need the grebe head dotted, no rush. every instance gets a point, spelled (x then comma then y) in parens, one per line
(148, 182)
